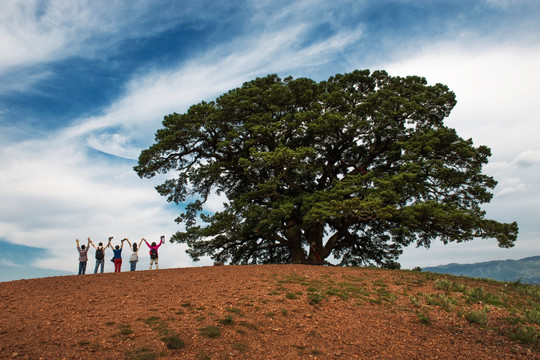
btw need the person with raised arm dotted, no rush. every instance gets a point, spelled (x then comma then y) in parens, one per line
(117, 258)
(154, 251)
(134, 258)
(100, 254)
(83, 256)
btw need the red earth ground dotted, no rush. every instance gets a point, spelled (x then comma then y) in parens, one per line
(243, 312)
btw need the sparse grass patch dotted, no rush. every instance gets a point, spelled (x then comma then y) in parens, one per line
(415, 301)
(227, 320)
(210, 331)
(525, 334)
(202, 355)
(234, 310)
(173, 342)
(152, 320)
(239, 346)
(424, 318)
(291, 296)
(315, 298)
(441, 300)
(141, 354)
(125, 330)
(249, 325)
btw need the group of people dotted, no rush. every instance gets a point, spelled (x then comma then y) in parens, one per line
(117, 254)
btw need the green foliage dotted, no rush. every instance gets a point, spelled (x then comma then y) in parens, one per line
(525, 334)
(227, 320)
(210, 331)
(356, 167)
(424, 318)
(125, 330)
(173, 342)
(291, 296)
(479, 317)
(141, 354)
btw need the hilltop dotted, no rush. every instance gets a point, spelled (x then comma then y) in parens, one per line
(268, 312)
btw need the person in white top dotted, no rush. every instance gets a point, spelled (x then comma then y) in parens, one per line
(134, 258)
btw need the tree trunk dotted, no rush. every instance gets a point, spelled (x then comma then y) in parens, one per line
(294, 238)
(314, 236)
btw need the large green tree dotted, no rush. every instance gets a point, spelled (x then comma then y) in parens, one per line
(353, 168)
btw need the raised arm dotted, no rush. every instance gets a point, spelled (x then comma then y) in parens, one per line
(140, 243)
(78, 247)
(90, 241)
(128, 241)
(162, 240)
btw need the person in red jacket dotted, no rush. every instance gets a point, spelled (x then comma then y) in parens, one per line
(154, 251)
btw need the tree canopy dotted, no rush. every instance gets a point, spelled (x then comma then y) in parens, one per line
(353, 168)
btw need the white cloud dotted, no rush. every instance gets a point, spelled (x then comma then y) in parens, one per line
(510, 186)
(147, 98)
(53, 192)
(528, 158)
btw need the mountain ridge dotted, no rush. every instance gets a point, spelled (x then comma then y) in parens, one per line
(525, 270)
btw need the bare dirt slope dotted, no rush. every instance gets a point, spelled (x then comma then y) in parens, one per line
(245, 312)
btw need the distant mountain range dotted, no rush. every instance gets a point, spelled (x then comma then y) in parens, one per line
(526, 270)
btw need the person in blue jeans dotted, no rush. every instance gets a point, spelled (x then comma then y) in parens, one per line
(83, 256)
(134, 258)
(100, 254)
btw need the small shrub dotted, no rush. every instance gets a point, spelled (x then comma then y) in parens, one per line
(424, 318)
(442, 301)
(478, 317)
(443, 284)
(125, 329)
(315, 298)
(141, 354)
(416, 302)
(525, 334)
(210, 331)
(152, 320)
(533, 316)
(476, 295)
(249, 325)
(239, 346)
(227, 320)
(291, 296)
(234, 310)
(173, 342)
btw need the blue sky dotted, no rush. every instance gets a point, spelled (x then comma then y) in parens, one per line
(84, 85)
